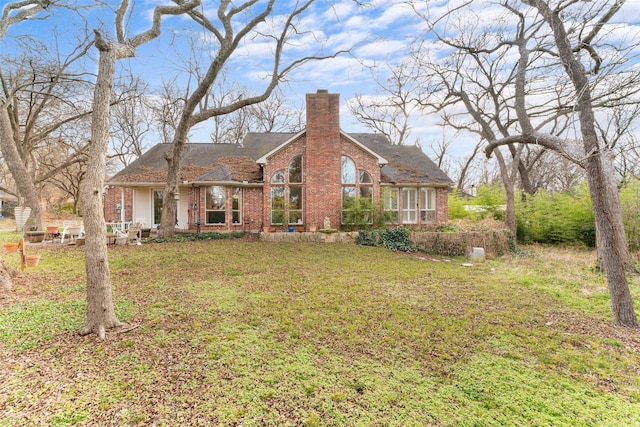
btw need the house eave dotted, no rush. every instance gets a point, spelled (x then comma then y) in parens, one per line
(381, 160)
(227, 183)
(263, 160)
(135, 183)
(416, 184)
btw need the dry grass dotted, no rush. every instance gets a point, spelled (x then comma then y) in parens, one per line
(243, 333)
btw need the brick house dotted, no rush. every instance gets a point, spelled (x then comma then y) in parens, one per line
(320, 177)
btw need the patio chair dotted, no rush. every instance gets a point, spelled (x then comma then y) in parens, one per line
(134, 233)
(72, 229)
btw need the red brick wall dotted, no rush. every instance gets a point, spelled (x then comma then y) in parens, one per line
(251, 210)
(323, 160)
(113, 198)
(278, 161)
(322, 148)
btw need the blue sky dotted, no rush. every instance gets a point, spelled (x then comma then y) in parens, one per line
(381, 32)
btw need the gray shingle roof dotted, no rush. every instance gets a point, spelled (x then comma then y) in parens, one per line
(407, 163)
(208, 162)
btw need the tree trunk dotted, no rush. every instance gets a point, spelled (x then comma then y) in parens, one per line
(610, 237)
(6, 276)
(169, 205)
(613, 252)
(24, 183)
(100, 309)
(509, 181)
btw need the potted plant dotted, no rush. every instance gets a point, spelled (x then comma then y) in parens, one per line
(34, 235)
(11, 246)
(31, 260)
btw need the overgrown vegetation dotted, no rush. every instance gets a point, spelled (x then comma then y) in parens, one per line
(236, 333)
(190, 237)
(362, 213)
(552, 218)
(396, 239)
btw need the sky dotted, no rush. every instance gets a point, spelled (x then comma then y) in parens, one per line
(379, 32)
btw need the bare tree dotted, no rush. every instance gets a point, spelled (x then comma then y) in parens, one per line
(550, 100)
(612, 243)
(389, 111)
(234, 23)
(32, 85)
(131, 123)
(14, 13)
(100, 309)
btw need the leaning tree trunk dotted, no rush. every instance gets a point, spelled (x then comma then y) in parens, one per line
(100, 309)
(610, 237)
(24, 183)
(613, 252)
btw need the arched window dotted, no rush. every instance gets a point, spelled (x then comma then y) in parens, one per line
(357, 194)
(348, 170)
(278, 177)
(287, 194)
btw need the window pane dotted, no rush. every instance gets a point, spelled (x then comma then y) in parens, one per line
(295, 197)
(236, 198)
(295, 217)
(427, 205)
(157, 206)
(366, 193)
(348, 171)
(409, 206)
(278, 177)
(215, 217)
(390, 196)
(295, 170)
(277, 205)
(236, 205)
(365, 178)
(218, 198)
(348, 193)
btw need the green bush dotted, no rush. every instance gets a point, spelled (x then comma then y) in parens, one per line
(456, 205)
(562, 217)
(630, 201)
(396, 239)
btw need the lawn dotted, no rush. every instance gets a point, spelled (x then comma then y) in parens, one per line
(232, 332)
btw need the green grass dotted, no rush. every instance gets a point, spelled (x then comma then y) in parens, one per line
(239, 333)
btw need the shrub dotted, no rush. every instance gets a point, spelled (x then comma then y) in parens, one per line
(396, 239)
(562, 217)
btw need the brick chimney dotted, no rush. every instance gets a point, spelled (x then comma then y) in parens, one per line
(323, 159)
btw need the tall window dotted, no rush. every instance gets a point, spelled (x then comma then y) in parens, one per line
(287, 194)
(390, 196)
(236, 205)
(295, 191)
(357, 194)
(409, 206)
(427, 205)
(157, 206)
(216, 205)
